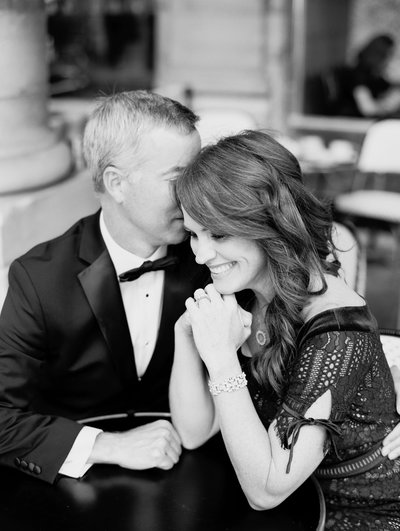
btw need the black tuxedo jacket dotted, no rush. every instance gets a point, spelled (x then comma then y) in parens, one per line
(65, 348)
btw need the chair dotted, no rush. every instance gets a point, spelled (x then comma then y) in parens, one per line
(390, 340)
(216, 123)
(321, 503)
(352, 256)
(377, 208)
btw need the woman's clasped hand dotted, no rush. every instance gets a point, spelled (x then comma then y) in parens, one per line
(219, 326)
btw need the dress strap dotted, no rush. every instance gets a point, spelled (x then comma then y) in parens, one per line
(293, 430)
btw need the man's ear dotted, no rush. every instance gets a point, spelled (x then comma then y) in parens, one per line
(113, 182)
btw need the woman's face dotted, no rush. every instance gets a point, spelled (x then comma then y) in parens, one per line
(235, 263)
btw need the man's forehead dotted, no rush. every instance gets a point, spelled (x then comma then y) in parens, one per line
(168, 150)
(160, 128)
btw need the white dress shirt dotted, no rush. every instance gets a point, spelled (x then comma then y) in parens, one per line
(142, 300)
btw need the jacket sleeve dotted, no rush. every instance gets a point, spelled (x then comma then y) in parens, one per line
(34, 443)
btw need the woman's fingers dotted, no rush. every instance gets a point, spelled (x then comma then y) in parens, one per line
(245, 317)
(213, 294)
(200, 295)
(191, 305)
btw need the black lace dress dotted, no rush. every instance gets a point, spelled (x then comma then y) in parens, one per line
(339, 350)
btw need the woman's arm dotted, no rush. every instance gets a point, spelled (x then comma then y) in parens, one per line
(257, 455)
(192, 408)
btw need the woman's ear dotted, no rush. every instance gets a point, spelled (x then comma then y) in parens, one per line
(113, 183)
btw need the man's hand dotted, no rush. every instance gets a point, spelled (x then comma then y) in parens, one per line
(395, 370)
(154, 445)
(391, 443)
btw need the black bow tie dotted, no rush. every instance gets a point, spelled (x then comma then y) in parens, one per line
(147, 266)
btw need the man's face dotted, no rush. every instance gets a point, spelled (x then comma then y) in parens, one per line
(149, 203)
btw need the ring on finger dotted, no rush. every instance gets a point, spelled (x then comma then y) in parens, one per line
(200, 294)
(198, 299)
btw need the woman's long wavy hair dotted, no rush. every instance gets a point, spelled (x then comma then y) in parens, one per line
(249, 186)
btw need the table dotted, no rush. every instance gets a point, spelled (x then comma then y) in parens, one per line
(201, 493)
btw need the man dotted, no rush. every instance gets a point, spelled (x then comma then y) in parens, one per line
(78, 338)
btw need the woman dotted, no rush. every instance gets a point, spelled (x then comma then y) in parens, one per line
(310, 388)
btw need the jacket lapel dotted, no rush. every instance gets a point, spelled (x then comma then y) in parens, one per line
(100, 284)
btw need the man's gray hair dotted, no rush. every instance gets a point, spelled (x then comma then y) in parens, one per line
(114, 129)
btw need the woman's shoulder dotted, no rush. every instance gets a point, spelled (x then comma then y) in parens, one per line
(339, 309)
(337, 295)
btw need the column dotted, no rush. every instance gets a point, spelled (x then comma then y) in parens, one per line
(41, 190)
(32, 154)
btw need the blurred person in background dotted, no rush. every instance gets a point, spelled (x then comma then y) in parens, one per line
(363, 89)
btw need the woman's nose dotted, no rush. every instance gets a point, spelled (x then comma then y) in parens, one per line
(204, 252)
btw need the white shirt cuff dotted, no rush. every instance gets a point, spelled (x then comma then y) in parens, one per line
(75, 464)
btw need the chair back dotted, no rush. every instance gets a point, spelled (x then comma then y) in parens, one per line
(322, 504)
(390, 339)
(377, 209)
(380, 150)
(352, 256)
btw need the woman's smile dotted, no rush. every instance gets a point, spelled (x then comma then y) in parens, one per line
(220, 269)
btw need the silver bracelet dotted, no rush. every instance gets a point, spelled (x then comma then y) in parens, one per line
(234, 383)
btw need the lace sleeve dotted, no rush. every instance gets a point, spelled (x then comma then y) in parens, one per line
(332, 361)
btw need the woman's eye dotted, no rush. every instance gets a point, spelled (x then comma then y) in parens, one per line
(218, 236)
(191, 234)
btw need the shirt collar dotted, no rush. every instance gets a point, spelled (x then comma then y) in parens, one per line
(122, 259)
